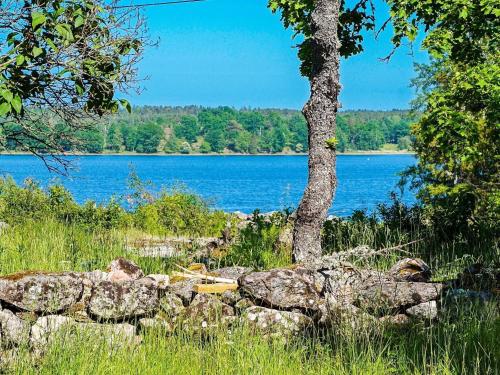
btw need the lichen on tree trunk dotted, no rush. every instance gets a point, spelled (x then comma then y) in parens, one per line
(320, 112)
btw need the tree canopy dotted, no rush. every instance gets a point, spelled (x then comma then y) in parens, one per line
(457, 137)
(62, 61)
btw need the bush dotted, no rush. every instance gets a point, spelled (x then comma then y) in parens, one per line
(175, 212)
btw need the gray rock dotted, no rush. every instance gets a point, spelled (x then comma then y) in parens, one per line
(283, 288)
(171, 306)
(411, 269)
(206, 312)
(285, 239)
(15, 331)
(122, 269)
(243, 304)
(230, 297)
(384, 294)
(398, 320)
(162, 281)
(124, 300)
(3, 226)
(95, 276)
(424, 311)
(156, 323)
(184, 290)
(47, 328)
(341, 314)
(41, 292)
(274, 322)
(231, 272)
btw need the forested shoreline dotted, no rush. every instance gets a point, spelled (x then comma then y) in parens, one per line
(225, 130)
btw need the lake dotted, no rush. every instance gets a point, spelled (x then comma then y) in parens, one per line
(232, 183)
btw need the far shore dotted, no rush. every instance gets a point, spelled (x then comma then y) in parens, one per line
(373, 152)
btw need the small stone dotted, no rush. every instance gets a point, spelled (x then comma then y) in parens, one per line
(340, 314)
(14, 330)
(162, 281)
(398, 320)
(46, 327)
(184, 290)
(49, 327)
(231, 272)
(244, 304)
(424, 311)
(411, 269)
(230, 297)
(171, 305)
(206, 311)
(3, 226)
(122, 269)
(156, 323)
(275, 323)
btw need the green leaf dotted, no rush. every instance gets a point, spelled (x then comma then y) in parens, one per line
(126, 105)
(20, 60)
(7, 95)
(79, 21)
(17, 104)
(4, 108)
(37, 19)
(37, 51)
(51, 44)
(64, 30)
(332, 143)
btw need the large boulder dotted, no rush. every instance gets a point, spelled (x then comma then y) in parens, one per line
(14, 330)
(206, 312)
(411, 269)
(385, 294)
(41, 292)
(283, 288)
(275, 323)
(124, 300)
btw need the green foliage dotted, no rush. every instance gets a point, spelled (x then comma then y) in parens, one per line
(457, 138)
(256, 243)
(296, 14)
(169, 212)
(32, 62)
(148, 138)
(180, 213)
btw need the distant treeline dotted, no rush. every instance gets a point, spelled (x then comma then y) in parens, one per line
(226, 130)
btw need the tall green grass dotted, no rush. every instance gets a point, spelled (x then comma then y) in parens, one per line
(465, 341)
(468, 345)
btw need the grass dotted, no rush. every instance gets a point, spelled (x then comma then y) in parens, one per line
(465, 341)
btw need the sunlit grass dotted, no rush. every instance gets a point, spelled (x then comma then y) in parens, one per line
(465, 341)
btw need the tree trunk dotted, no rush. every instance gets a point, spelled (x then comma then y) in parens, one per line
(320, 112)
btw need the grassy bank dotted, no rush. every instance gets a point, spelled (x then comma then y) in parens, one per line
(55, 235)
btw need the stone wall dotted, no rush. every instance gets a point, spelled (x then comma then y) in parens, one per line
(121, 302)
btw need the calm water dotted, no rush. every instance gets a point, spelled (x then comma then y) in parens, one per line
(232, 183)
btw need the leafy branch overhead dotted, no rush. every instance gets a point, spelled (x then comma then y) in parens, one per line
(65, 59)
(353, 19)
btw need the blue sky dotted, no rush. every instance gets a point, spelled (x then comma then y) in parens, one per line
(237, 53)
